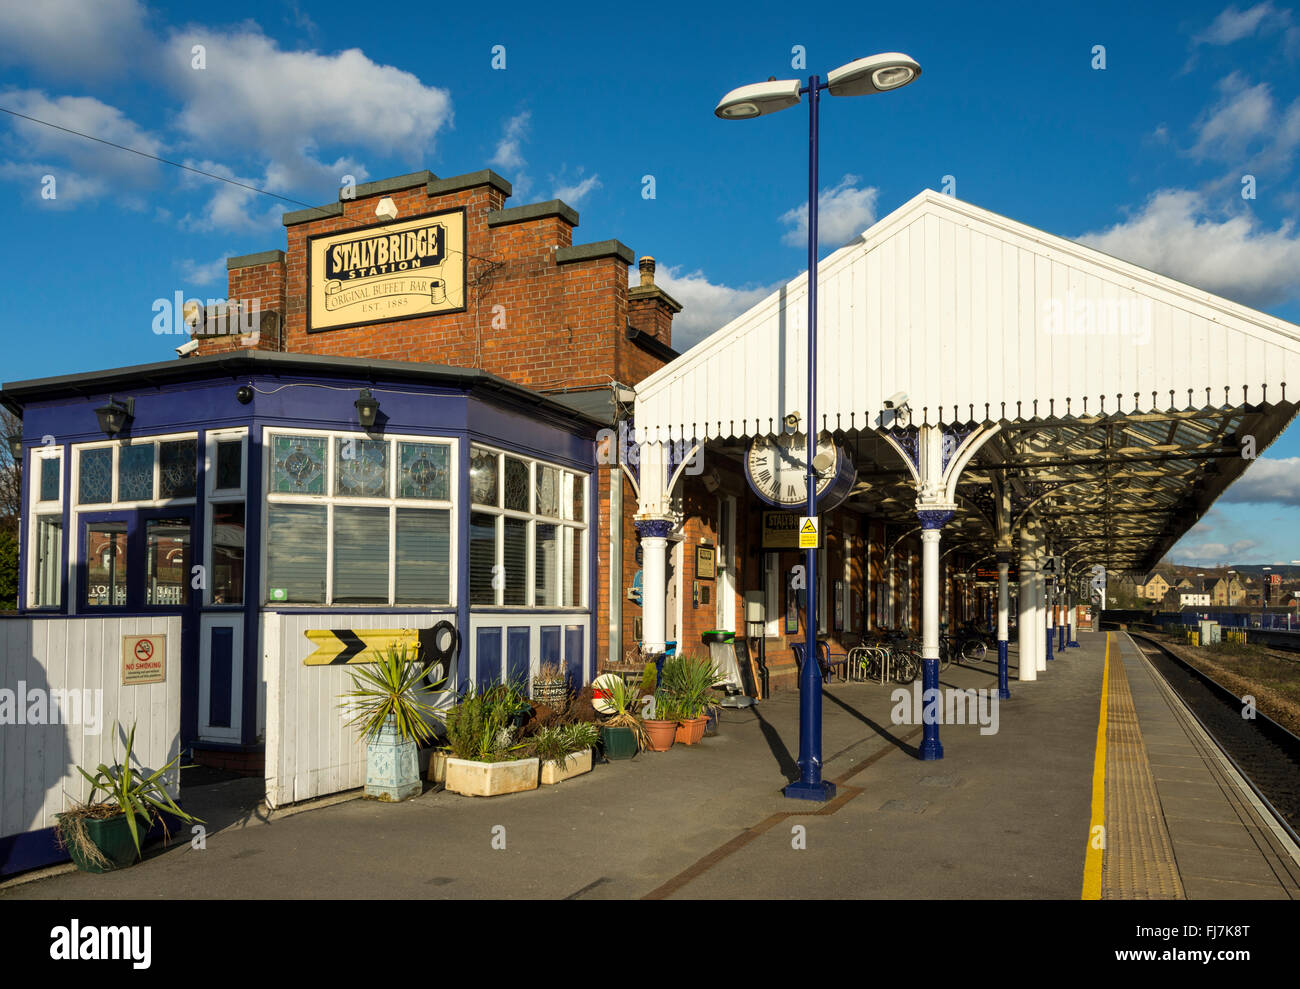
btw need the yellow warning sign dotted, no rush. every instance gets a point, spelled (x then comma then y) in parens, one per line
(807, 532)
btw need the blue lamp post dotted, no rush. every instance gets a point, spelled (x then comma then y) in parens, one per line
(863, 77)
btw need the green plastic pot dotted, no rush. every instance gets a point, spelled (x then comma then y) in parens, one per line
(618, 743)
(112, 836)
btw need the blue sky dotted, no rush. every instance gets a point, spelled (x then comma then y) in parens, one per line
(1143, 157)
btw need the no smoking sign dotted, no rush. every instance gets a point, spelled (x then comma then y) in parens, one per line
(144, 659)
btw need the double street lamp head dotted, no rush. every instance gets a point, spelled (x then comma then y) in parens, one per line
(862, 77)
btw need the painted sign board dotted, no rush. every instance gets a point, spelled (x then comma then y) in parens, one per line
(781, 530)
(387, 271)
(144, 659)
(705, 563)
(336, 647)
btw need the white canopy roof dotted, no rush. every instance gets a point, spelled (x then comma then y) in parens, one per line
(975, 317)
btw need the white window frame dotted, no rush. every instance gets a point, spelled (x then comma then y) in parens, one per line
(567, 477)
(214, 496)
(115, 503)
(330, 500)
(37, 509)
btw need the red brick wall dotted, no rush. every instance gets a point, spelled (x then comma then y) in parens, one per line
(564, 324)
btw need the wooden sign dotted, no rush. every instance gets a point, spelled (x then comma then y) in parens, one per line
(387, 271)
(144, 659)
(338, 647)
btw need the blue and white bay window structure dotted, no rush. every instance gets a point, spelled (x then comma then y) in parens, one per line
(244, 485)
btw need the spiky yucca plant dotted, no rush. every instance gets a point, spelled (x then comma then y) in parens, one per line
(390, 687)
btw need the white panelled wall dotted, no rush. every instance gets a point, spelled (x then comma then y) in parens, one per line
(38, 763)
(959, 306)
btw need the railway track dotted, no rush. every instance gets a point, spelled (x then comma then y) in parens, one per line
(1265, 753)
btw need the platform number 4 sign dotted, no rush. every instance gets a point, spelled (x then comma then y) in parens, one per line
(1052, 564)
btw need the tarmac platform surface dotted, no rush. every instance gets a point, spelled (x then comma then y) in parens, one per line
(1005, 814)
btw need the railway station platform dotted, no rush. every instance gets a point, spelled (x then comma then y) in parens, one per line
(1007, 813)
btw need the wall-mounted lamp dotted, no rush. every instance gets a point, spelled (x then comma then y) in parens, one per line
(114, 416)
(367, 408)
(15, 445)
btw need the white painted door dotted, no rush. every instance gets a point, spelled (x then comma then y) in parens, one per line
(221, 677)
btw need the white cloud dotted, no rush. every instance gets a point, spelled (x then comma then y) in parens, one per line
(1268, 479)
(1231, 255)
(73, 38)
(843, 212)
(205, 273)
(282, 107)
(575, 193)
(509, 152)
(231, 207)
(706, 305)
(83, 170)
(1242, 115)
(1234, 24)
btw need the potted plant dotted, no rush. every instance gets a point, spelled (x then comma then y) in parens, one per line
(622, 734)
(661, 726)
(551, 686)
(690, 680)
(565, 750)
(387, 709)
(101, 835)
(484, 757)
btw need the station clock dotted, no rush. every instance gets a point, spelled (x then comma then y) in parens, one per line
(777, 470)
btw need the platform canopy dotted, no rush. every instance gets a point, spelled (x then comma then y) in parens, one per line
(1127, 401)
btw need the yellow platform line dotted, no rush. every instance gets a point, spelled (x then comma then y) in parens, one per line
(1092, 860)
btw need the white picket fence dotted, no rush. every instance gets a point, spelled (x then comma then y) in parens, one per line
(38, 776)
(310, 750)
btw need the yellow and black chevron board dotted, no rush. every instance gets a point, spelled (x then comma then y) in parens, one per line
(337, 647)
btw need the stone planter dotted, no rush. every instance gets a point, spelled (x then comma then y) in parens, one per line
(437, 767)
(574, 765)
(392, 766)
(490, 779)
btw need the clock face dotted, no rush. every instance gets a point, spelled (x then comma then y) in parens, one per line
(778, 467)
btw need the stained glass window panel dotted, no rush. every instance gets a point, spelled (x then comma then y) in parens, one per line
(298, 465)
(548, 491)
(177, 468)
(135, 473)
(516, 485)
(573, 506)
(484, 488)
(361, 468)
(50, 478)
(95, 484)
(425, 471)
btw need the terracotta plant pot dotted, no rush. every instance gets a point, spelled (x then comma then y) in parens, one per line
(691, 730)
(660, 734)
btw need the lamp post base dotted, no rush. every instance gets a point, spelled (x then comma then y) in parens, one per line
(799, 790)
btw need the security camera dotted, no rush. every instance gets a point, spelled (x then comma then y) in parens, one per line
(386, 208)
(896, 400)
(187, 348)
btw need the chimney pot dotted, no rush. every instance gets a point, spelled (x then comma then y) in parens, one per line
(647, 266)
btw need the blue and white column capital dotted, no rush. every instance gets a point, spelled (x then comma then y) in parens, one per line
(936, 516)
